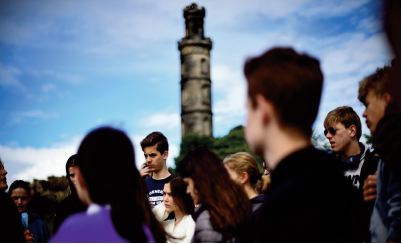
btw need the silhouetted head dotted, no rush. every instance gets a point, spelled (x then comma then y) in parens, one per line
(107, 163)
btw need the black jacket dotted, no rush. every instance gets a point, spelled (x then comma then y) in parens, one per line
(309, 200)
(11, 229)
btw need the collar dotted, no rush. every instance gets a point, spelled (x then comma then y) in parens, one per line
(94, 208)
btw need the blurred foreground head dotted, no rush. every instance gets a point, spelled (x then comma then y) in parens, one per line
(284, 87)
(107, 175)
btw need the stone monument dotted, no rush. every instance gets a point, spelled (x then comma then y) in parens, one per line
(194, 47)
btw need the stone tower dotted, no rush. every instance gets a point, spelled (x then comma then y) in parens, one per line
(196, 114)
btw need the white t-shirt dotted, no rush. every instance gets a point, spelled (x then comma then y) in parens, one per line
(182, 232)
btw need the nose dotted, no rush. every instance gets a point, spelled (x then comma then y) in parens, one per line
(364, 114)
(19, 201)
(328, 135)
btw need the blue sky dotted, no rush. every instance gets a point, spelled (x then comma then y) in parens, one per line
(67, 67)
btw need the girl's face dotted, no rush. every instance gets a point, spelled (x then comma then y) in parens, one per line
(21, 198)
(169, 201)
(233, 175)
(192, 190)
(72, 175)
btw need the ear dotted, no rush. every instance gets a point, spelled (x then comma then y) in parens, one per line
(387, 97)
(165, 154)
(244, 177)
(79, 176)
(266, 109)
(353, 130)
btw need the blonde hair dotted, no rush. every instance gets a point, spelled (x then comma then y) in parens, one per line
(244, 162)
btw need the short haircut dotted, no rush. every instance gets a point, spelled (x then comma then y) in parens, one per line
(346, 116)
(180, 196)
(376, 82)
(20, 184)
(155, 138)
(291, 81)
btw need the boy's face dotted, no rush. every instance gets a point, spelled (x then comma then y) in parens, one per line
(254, 129)
(154, 159)
(375, 107)
(339, 137)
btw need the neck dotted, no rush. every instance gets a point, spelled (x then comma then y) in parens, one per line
(250, 191)
(352, 149)
(178, 216)
(162, 174)
(283, 142)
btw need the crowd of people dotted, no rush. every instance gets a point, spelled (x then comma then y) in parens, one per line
(351, 194)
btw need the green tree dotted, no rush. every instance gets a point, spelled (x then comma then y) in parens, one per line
(231, 143)
(320, 141)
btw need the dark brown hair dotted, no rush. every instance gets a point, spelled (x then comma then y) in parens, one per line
(226, 202)
(106, 160)
(180, 196)
(346, 116)
(291, 81)
(155, 138)
(71, 162)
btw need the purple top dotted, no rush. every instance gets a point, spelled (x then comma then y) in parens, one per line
(93, 226)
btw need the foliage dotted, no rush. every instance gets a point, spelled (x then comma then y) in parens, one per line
(319, 141)
(369, 140)
(54, 188)
(231, 143)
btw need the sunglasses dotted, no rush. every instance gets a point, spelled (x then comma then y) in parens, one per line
(331, 130)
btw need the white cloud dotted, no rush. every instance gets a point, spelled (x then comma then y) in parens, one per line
(356, 53)
(38, 163)
(331, 8)
(230, 87)
(28, 163)
(10, 76)
(161, 120)
(18, 117)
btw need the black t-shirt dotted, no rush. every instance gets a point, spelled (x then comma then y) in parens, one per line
(308, 200)
(155, 189)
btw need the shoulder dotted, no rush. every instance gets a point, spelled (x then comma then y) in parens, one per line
(83, 227)
(204, 231)
(188, 221)
(203, 221)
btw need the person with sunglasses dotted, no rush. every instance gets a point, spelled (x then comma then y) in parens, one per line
(343, 130)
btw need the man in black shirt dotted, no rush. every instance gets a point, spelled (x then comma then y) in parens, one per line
(309, 200)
